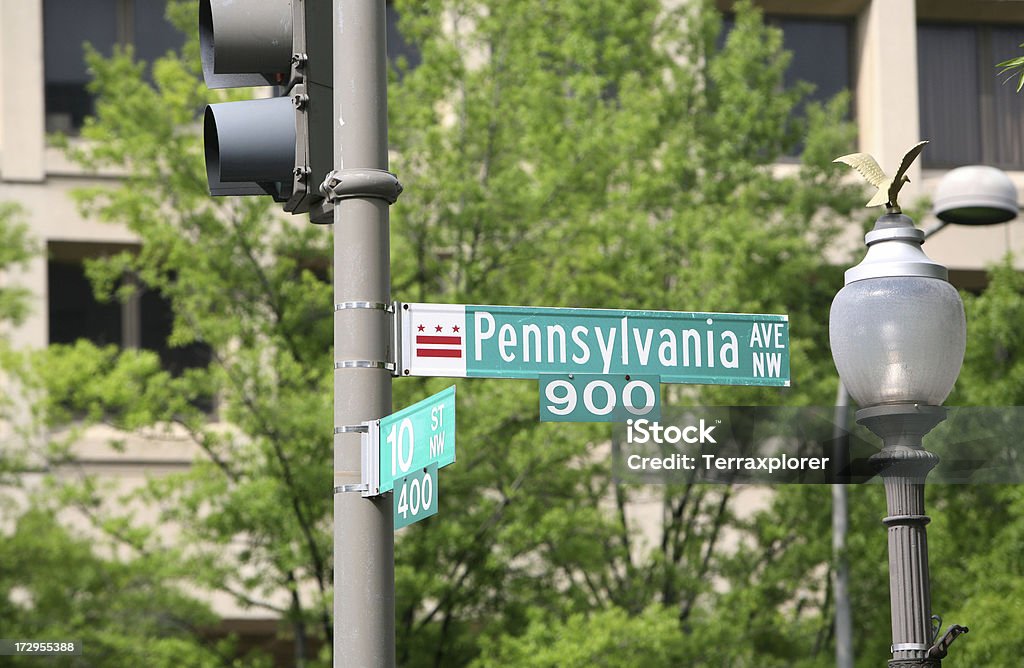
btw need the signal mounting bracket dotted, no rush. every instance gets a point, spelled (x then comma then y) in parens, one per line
(361, 182)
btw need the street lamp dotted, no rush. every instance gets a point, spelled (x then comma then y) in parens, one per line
(973, 195)
(898, 334)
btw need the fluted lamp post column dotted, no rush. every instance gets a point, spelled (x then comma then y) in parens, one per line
(898, 333)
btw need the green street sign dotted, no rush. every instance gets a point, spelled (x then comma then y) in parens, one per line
(415, 497)
(414, 438)
(460, 340)
(584, 397)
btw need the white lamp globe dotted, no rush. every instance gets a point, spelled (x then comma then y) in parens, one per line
(898, 339)
(897, 329)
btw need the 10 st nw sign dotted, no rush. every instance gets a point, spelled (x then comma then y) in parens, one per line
(409, 440)
(459, 340)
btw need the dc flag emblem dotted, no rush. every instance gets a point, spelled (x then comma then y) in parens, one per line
(434, 340)
(438, 341)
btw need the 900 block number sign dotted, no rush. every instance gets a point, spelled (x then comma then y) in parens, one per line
(585, 397)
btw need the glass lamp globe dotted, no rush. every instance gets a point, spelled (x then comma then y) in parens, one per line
(898, 339)
(897, 329)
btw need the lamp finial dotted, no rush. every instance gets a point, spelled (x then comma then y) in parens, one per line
(888, 188)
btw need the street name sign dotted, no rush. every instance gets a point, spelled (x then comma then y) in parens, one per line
(411, 439)
(467, 341)
(584, 397)
(415, 497)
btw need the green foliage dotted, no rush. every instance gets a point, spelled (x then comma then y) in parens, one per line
(991, 593)
(54, 587)
(611, 156)
(1013, 67)
(246, 283)
(993, 374)
(610, 637)
(15, 251)
(977, 574)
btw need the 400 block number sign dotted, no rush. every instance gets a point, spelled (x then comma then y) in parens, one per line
(415, 497)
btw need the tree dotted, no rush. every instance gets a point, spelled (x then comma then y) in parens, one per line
(54, 585)
(623, 152)
(254, 511)
(15, 251)
(981, 576)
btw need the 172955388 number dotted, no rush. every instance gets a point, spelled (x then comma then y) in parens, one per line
(20, 647)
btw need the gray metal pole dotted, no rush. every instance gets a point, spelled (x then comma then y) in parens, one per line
(364, 559)
(840, 528)
(904, 464)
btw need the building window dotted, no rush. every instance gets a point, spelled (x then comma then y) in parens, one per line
(967, 112)
(140, 23)
(144, 321)
(66, 29)
(821, 55)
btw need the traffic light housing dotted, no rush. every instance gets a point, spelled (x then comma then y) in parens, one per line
(279, 146)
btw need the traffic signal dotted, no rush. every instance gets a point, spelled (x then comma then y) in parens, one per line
(279, 146)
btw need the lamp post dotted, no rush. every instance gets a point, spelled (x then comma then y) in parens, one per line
(973, 195)
(898, 334)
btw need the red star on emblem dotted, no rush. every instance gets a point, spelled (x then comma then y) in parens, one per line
(455, 328)
(421, 328)
(438, 328)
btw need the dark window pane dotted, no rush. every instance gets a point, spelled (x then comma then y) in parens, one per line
(68, 24)
(821, 55)
(66, 28)
(1007, 125)
(949, 94)
(153, 34)
(67, 105)
(73, 310)
(157, 321)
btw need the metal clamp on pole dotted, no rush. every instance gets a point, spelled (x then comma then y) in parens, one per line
(354, 487)
(352, 429)
(372, 306)
(365, 364)
(909, 647)
(362, 182)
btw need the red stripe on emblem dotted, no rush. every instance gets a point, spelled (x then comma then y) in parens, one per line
(442, 352)
(456, 340)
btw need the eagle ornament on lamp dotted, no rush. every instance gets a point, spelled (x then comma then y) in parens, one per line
(888, 188)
